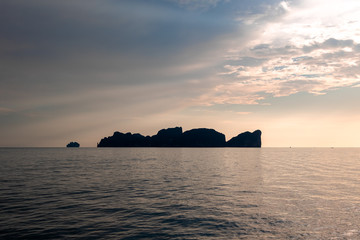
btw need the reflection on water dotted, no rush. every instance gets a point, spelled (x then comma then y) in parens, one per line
(180, 193)
(317, 189)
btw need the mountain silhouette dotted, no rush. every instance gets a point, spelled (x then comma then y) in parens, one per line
(175, 137)
(246, 139)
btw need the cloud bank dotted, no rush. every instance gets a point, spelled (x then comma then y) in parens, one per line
(305, 49)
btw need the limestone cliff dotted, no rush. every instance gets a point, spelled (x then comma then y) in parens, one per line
(175, 137)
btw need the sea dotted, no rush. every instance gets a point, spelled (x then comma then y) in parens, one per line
(179, 193)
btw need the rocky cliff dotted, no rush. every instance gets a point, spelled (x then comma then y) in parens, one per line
(175, 137)
(246, 139)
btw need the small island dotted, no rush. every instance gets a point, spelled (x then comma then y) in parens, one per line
(175, 137)
(73, 145)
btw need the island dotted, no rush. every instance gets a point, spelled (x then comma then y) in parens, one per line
(73, 145)
(175, 137)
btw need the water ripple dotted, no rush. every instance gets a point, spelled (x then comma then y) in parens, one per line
(179, 193)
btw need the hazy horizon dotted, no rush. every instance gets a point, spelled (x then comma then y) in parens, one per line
(81, 70)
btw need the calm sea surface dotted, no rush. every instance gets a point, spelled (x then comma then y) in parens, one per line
(180, 193)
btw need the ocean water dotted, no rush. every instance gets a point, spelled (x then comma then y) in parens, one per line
(180, 193)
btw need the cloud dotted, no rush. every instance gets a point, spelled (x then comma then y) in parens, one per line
(68, 47)
(296, 51)
(6, 110)
(271, 11)
(285, 72)
(62, 48)
(330, 43)
(198, 4)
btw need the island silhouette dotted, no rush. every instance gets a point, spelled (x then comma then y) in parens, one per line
(175, 137)
(73, 145)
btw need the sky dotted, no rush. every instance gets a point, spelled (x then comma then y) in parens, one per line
(80, 70)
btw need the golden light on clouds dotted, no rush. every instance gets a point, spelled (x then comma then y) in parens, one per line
(312, 47)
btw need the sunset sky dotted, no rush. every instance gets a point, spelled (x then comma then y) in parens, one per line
(79, 70)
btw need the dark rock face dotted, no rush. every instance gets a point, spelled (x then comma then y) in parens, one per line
(246, 139)
(125, 140)
(202, 137)
(175, 137)
(166, 137)
(73, 145)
